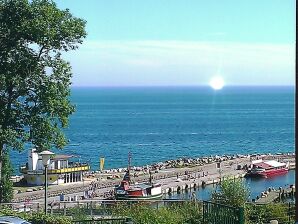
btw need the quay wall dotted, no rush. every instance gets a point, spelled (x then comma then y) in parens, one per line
(194, 174)
(195, 184)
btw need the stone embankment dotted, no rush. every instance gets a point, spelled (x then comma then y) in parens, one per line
(174, 175)
(273, 195)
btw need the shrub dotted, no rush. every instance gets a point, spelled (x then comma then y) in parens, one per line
(37, 217)
(6, 185)
(178, 213)
(232, 192)
(264, 213)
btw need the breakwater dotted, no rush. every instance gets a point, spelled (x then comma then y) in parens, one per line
(174, 175)
(200, 161)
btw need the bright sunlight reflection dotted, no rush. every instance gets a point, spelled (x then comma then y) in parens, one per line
(217, 83)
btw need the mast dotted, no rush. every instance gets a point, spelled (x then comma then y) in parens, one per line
(150, 177)
(129, 164)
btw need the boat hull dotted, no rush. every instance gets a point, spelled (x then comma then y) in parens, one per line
(130, 197)
(268, 173)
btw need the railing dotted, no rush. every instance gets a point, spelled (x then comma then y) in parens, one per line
(68, 170)
(214, 213)
(89, 207)
(264, 213)
(211, 212)
(57, 171)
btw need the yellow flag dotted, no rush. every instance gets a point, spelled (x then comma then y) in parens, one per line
(102, 163)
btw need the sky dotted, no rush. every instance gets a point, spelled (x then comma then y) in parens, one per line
(184, 42)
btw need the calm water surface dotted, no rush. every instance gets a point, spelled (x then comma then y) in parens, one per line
(255, 186)
(161, 123)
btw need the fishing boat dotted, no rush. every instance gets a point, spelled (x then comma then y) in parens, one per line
(137, 191)
(268, 168)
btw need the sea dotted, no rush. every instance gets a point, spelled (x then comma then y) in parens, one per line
(164, 123)
(254, 185)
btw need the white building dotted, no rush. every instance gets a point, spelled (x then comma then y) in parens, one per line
(60, 169)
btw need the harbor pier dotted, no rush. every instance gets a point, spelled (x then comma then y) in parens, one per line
(193, 174)
(274, 195)
(195, 184)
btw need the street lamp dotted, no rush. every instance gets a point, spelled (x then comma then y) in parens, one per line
(218, 167)
(45, 155)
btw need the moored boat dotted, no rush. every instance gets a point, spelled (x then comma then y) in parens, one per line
(141, 191)
(137, 191)
(268, 168)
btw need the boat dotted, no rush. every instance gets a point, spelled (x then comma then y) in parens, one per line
(268, 168)
(137, 191)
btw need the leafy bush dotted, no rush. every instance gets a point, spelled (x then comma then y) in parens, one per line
(264, 213)
(37, 217)
(232, 192)
(78, 213)
(6, 185)
(178, 213)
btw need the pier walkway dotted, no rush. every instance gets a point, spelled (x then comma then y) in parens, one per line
(172, 179)
(275, 195)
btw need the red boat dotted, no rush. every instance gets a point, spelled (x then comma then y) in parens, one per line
(138, 191)
(142, 191)
(268, 168)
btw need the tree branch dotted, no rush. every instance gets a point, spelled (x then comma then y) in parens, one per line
(41, 51)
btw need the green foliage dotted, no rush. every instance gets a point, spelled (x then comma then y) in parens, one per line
(186, 212)
(232, 192)
(79, 213)
(38, 217)
(177, 213)
(6, 190)
(34, 79)
(264, 213)
(191, 211)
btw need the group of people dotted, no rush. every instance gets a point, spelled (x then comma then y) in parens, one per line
(187, 175)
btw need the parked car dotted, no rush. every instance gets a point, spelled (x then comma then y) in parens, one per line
(12, 220)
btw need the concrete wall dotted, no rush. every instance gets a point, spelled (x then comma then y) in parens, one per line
(38, 179)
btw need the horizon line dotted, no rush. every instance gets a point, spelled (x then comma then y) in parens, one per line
(117, 86)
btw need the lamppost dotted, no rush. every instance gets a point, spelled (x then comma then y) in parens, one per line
(45, 155)
(218, 167)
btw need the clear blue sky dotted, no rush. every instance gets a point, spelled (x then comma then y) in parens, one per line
(171, 42)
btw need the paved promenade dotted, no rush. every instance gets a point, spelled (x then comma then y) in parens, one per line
(101, 189)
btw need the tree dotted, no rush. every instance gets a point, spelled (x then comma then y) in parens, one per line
(232, 192)
(5, 182)
(34, 78)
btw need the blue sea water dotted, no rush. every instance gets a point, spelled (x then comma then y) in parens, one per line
(162, 123)
(254, 185)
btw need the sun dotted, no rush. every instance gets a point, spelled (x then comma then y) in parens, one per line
(217, 82)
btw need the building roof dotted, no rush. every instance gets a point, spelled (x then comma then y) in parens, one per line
(62, 157)
(274, 163)
(269, 164)
(257, 161)
(263, 165)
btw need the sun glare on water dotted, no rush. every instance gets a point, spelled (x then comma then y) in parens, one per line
(217, 83)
